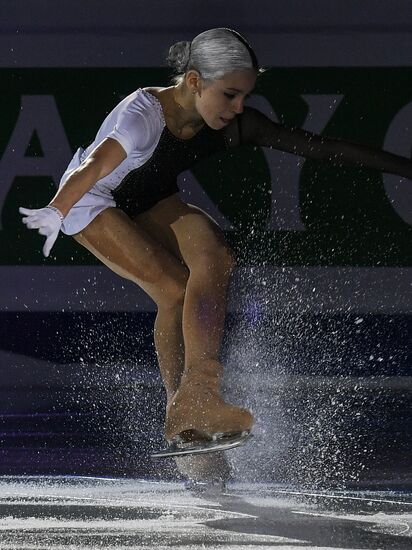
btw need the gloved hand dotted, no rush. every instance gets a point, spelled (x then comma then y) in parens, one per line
(47, 220)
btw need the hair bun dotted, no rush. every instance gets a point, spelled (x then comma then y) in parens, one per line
(179, 55)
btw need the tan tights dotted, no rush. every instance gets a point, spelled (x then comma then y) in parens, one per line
(177, 255)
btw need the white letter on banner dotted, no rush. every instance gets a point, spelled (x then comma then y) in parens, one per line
(38, 114)
(398, 140)
(285, 167)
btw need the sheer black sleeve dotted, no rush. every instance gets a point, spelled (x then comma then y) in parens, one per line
(254, 128)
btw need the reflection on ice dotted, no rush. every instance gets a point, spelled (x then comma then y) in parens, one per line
(74, 512)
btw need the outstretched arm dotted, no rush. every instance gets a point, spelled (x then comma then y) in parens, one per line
(258, 129)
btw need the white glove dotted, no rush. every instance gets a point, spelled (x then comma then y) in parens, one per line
(47, 220)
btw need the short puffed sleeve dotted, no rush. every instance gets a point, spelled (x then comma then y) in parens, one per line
(134, 124)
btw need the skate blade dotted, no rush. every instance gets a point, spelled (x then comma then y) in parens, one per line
(219, 442)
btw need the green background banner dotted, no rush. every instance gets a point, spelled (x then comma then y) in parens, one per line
(348, 218)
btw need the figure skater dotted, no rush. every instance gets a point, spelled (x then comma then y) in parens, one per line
(119, 199)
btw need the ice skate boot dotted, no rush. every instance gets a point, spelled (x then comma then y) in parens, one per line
(198, 413)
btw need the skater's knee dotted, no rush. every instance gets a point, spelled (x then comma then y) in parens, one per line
(217, 260)
(172, 297)
(170, 293)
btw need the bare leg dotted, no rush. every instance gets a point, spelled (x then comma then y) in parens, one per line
(210, 264)
(170, 350)
(197, 406)
(204, 308)
(130, 251)
(194, 238)
(151, 258)
(168, 334)
(169, 345)
(127, 248)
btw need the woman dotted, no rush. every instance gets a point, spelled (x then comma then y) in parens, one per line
(119, 199)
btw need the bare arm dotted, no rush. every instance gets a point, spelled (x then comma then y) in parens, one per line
(258, 129)
(101, 162)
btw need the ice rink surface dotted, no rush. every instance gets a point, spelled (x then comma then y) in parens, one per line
(51, 513)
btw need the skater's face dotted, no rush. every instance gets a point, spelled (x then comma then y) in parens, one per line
(218, 102)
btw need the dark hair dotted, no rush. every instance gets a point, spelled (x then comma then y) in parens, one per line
(213, 53)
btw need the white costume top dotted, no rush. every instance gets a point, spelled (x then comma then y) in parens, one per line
(136, 123)
(155, 156)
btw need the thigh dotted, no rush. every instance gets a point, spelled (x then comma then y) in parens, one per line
(128, 250)
(157, 222)
(185, 230)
